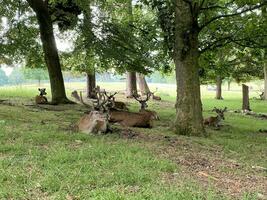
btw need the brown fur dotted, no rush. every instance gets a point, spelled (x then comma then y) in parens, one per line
(215, 121)
(130, 119)
(153, 114)
(120, 105)
(157, 98)
(40, 99)
(94, 122)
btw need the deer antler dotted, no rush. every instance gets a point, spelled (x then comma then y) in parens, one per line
(142, 101)
(111, 96)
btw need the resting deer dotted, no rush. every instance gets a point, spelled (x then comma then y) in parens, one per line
(215, 121)
(79, 99)
(142, 119)
(41, 99)
(143, 103)
(154, 97)
(131, 119)
(115, 104)
(97, 120)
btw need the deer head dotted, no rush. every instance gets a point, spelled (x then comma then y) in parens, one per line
(220, 112)
(42, 91)
(142, 101)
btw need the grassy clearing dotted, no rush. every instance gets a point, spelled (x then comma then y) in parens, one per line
(41, 157)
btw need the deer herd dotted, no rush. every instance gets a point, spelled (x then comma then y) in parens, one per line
(105, 110)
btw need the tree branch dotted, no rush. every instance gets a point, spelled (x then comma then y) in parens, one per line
(232, 14)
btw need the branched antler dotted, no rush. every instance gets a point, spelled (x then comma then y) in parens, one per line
(142, 101)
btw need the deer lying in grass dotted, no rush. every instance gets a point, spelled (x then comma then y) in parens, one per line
(131, 119)
(41, 99)
(143, 103)
(142, 119)
(97, 120)
(154, 97)
(79, 99)
(215, 121)
(115, 104)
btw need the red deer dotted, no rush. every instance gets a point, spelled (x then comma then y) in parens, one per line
(215, 121)
(144, 105)
(154, 97)
(131, 119)
(41, 99)
(97, 120)
(79, 99)
(115, 104)
(142, 119)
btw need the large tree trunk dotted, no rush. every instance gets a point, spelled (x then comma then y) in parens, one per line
(264, 13)
(143, 86)
(50, 51)
(228, 85)
(131, 88)
(265, 80)
(189, 120)
(218, 88)
(245, 91)
(90, 85)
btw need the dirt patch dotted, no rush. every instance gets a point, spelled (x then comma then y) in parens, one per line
(207, 166)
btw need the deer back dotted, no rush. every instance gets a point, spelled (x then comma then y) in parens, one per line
(40, 99)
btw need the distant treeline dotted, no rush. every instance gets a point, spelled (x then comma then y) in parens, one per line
(27, 75)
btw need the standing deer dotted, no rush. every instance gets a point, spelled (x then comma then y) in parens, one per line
(41, 99)
(143, 103)
(215, 121)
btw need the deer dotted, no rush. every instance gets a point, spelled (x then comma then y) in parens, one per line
(79, 99)
(154, 97)
(131, 119)
(215, 121)
(96, 121)
(115, 104)
(143, 103)
(41, 99)
(141, 119)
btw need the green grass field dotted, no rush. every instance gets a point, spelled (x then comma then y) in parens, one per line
(42, 157)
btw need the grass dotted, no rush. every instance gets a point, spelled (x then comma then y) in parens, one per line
(41, 157)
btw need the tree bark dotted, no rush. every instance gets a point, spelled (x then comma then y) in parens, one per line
(131, 87)
(143, 86)
(90, 85)
(228, 85)
(264, 13)
(245, 92)
(189, 120)
(218, 88)
(50, 51)
(265, 80)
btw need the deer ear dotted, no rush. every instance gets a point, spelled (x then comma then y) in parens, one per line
(225, 109)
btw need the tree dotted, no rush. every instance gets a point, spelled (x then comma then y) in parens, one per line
(131, 86)
(19, 36)
(3, 78)
(35, 74)
(143, 86)
(16, 77)
(192, 27)
(264, 15)
(50, 50)
(129, 41)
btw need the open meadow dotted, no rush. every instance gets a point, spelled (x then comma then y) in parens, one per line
(43, 157)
